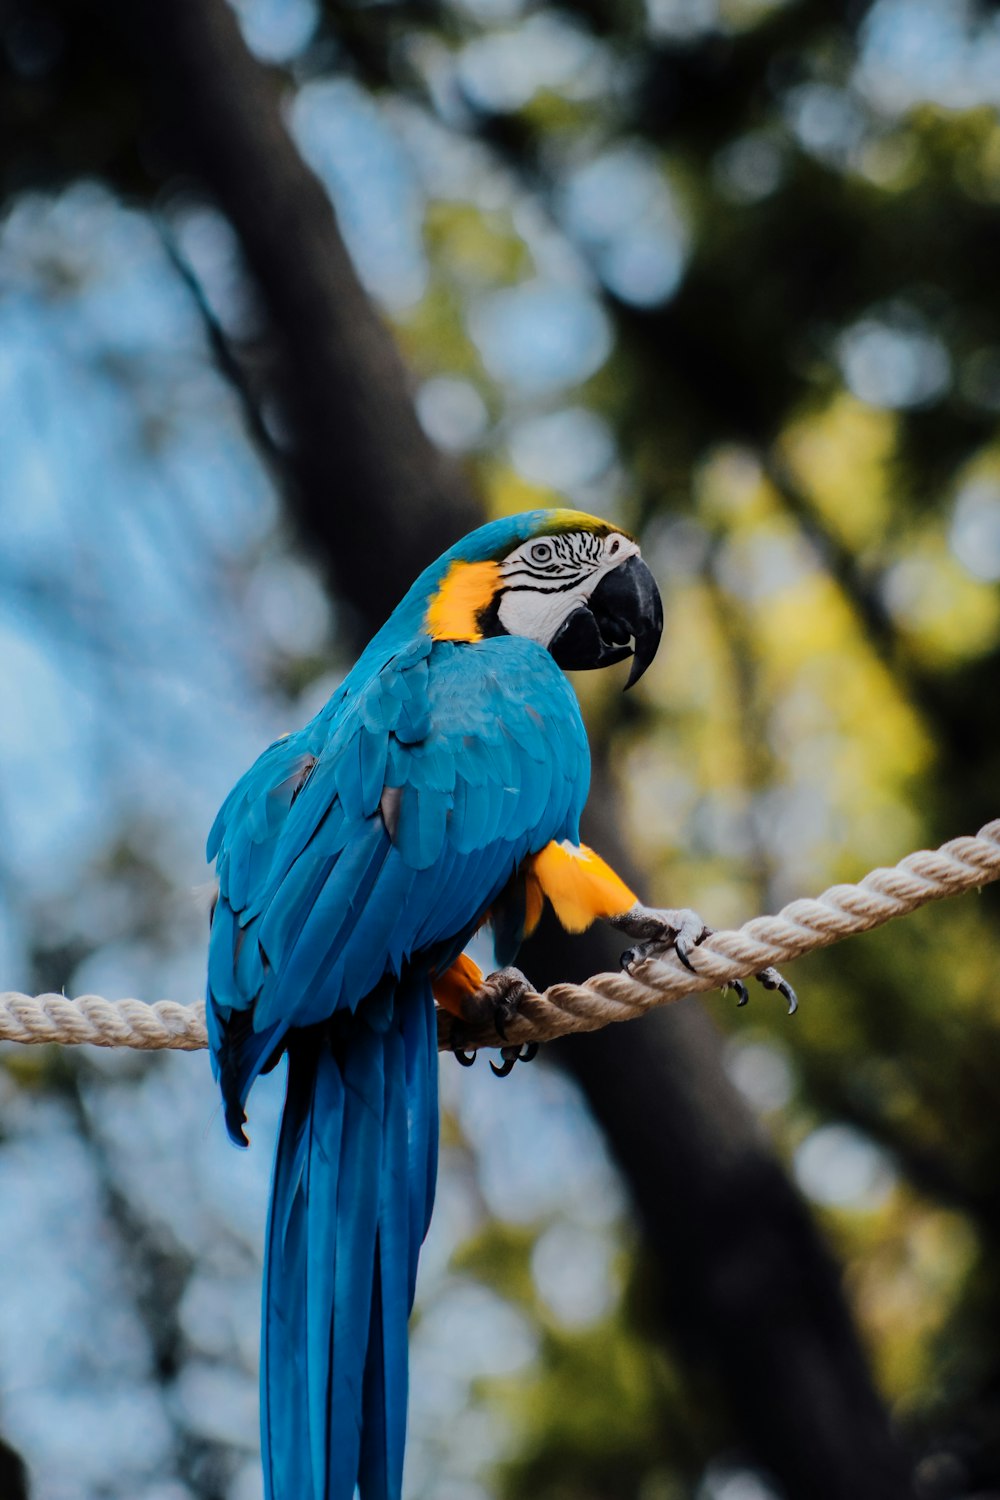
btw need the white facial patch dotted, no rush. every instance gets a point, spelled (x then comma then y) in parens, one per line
(546, 579)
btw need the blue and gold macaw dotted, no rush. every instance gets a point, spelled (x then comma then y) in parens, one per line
(440, 788)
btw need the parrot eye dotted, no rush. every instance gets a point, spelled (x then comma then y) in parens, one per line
(541, 552)
(615, 544)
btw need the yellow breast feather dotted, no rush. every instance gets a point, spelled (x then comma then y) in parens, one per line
(580, 885)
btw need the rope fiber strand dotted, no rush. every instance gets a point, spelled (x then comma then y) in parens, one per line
(963, 864)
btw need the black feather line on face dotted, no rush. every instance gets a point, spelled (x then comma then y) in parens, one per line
(558, 566)
(539, 588)
(488, 619)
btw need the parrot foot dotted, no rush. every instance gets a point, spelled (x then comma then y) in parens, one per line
(659, 931)
(495, 1004)
(497, 1000)
(681, 930)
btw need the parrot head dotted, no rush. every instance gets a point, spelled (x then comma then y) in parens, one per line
(575, 584)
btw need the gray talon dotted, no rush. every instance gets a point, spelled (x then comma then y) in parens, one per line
(465, 1058)
(772, 980)
(742, 993)
(512, 1055)
(660, 931)
(681, 949)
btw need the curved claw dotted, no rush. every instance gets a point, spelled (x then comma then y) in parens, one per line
(465, 1058)
(627, 959)
(772, 980)
(681, 949)
(528, 1052)
(742, 994)
(505, 1067)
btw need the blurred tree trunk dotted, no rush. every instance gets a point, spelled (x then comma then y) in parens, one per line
(749, 1293)
(363, 476)
(13, 1474)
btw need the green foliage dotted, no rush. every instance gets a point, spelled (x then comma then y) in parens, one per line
(603, 1412)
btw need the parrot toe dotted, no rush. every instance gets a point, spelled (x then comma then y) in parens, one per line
(742, 993)
(659, 932)
(690, 933)
(499, 999)
(772, 980)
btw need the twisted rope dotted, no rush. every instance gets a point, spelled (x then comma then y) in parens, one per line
(104, 1023)
(799, 928)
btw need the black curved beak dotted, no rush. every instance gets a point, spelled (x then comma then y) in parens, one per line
(623, 617)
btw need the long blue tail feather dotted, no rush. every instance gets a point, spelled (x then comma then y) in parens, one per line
(385, 1382)
(285, 1447)
(423, 1120)
(353, 1186)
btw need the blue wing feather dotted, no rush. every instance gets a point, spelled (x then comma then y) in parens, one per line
(279, 926)
(326, 928)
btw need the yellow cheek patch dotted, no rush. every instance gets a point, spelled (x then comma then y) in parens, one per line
(455, 985)
(579, 884)
(467, 589)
